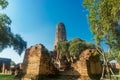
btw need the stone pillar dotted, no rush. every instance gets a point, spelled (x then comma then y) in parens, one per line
(3, 68)
(16, 72)
(10, 72)
(5, 71)
(20, 66)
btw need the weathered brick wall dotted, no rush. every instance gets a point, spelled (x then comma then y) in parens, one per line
(37, 62)
(31, 61)
(86, 66)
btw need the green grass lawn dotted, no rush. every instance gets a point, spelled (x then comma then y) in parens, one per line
(116, 76)
(6, 77)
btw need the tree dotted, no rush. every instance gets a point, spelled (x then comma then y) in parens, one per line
(104, 19)
(73, 48)
(62, 50)
(63, 47)
(77, 45)
(7, 38)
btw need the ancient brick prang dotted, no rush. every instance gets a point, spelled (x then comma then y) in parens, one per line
(60, 34)
(38, 61)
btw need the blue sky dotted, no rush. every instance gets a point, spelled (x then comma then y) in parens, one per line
(36, 20)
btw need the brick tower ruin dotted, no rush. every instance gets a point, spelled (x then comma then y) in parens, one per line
(38, 61)
(60, 34)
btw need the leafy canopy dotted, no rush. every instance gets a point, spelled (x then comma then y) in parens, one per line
(104, 19)
(7, 38)
(73, 47)
(104, 16)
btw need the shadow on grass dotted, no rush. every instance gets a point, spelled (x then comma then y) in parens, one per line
(58, 77)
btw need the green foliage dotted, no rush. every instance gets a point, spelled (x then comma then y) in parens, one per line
(95, 53)
(63, 47)
(7, 38)
(104, 19)
(73, 47)
(3, 4)
(115, 55)
(19, 45)
(76, 46)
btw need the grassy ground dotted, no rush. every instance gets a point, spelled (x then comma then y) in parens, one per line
(117, 77)
(12, 77)
(6, 77)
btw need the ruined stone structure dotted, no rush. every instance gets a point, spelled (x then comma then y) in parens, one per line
(37, 62)
(117, 65)
(86, 65)
(4, 64)
(60, 34)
